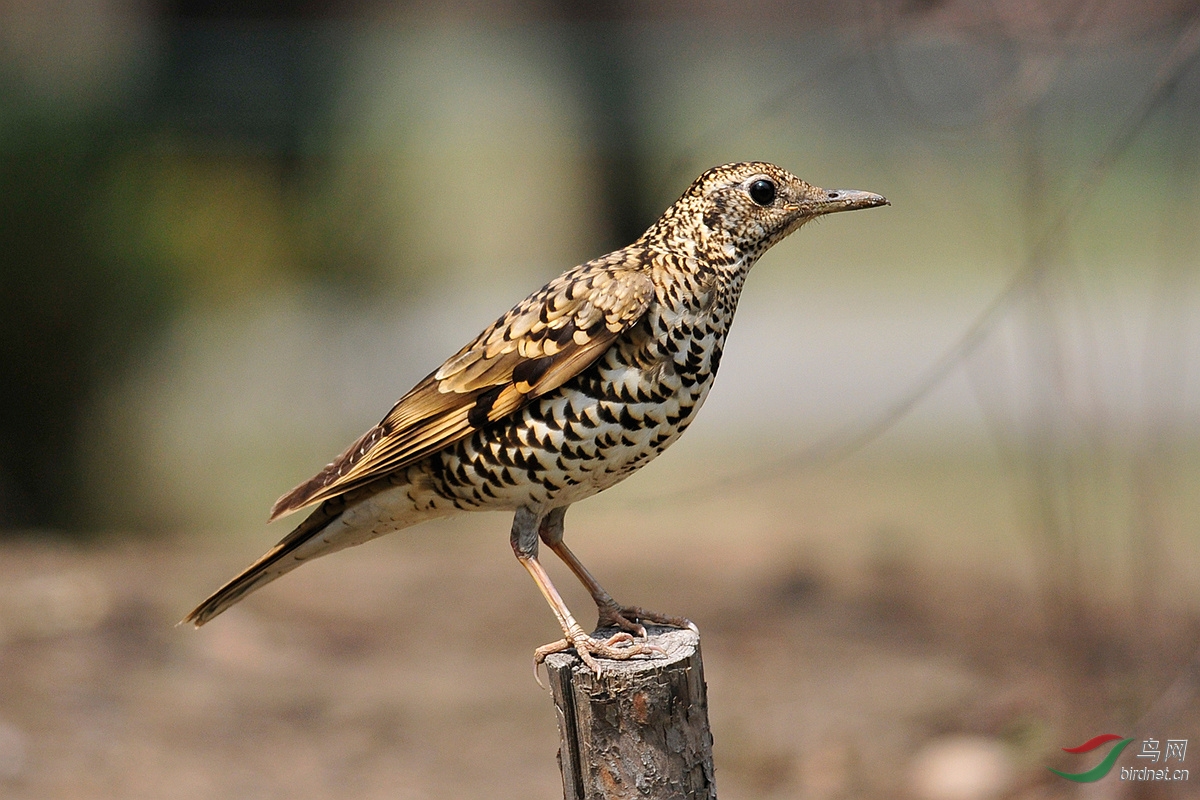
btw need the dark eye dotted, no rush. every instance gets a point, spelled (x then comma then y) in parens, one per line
(762, 191)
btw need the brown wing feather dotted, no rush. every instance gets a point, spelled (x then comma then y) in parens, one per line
(539, 345)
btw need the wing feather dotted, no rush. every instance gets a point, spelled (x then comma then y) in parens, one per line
(540, 344)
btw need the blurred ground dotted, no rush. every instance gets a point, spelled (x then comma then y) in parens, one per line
(402, 668)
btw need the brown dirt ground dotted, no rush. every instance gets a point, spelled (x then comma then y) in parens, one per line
(402, 668)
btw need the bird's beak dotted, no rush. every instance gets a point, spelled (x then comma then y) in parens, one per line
(827, 201)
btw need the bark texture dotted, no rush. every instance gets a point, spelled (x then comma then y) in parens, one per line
(640, 729)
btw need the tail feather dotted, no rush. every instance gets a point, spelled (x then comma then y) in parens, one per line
(273, 564)
(307, 493)
(344, 521)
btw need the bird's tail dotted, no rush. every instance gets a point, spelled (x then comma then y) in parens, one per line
(279, 560)
(358, 516)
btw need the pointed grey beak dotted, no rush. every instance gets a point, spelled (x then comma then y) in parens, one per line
(827, 201)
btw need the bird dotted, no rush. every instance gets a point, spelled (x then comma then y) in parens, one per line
(568, 393)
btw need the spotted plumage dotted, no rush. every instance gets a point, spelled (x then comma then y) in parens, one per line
(568, 393)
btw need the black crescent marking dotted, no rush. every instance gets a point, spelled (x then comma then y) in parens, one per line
(478, 415)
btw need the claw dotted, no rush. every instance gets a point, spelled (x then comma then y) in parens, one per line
(536, 674)
(620, 646)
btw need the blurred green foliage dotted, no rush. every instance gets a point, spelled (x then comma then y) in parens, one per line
(73, 305)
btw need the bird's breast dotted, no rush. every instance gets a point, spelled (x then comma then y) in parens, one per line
(598, 428)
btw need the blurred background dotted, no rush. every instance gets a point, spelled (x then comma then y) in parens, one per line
(938, 520)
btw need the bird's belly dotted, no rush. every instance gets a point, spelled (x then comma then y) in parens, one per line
(564, 447)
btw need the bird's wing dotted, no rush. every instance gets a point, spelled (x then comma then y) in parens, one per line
(539, 345)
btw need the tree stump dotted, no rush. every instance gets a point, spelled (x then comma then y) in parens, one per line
(640, 730)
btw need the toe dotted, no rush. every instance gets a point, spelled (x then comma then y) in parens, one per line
(620, 646)
(630, 618)
(539, 656)
(615, 618)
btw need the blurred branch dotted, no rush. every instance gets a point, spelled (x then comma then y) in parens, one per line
(1038, 262)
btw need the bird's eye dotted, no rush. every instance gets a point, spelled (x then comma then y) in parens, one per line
(762, 191)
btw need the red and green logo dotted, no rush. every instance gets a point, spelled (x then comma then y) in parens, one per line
(1104, 767)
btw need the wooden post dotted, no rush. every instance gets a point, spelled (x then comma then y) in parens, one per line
(640, 730)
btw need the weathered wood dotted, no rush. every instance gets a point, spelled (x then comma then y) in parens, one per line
(640, 730)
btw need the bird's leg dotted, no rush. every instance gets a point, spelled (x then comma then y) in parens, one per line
(621, 646)
(611, 614)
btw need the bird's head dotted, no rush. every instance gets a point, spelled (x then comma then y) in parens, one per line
(736, 212)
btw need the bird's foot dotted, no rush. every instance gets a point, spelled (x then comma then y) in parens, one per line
(619, 647)
(630, 618)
